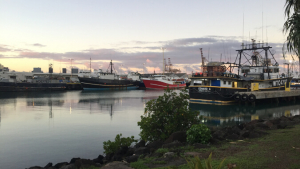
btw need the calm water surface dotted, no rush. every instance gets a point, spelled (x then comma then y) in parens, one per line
(37, 128)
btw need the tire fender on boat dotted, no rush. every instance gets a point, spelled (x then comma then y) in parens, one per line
(237, 97)
(251, 98)
(244, 97)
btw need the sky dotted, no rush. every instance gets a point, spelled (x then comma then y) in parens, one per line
(132, 33)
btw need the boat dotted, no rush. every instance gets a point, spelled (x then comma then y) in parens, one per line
(29, 82)
(221, 83)
(163, 82)
(99, 80)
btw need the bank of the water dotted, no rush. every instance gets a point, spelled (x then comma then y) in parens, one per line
(270, 143)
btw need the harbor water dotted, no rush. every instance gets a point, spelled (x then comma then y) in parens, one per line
(38, 128)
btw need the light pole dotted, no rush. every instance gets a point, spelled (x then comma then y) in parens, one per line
(71, 66)
(163, 49)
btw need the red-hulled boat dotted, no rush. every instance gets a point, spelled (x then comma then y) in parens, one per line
(162, 82)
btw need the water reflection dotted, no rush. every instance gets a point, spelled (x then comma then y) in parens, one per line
(227, 115)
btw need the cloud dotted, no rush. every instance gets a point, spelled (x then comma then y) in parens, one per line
(3, 48)
(184, 54)
(38, 45)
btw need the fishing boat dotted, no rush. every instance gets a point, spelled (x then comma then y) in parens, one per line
(100, 80)
(221, 83)
(163, 82)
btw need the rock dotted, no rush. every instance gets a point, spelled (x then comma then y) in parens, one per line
(99, 159)
(130, 152)
(199, 146)
(233, 137)
(70, 166)
(179, 136)
(142, 150)
(236, 130)
(283, 118)
(296, 118)
(131, 159)
(249, 127)
(218, 135)
(73, 160)
(268, 123)
(261, 125)
(48, 165)
(192, 154)
(59, 165)
(155, 145)
(117, 157)
(109, 156)
(84, 162)
(142, 143)
(241, 126)
(244, 133)
(169, 155)
(173, 144)
(253, 135)
(122, 151)
(36, 167)
(116, 165)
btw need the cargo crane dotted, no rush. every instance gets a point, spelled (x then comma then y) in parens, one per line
(202, 58)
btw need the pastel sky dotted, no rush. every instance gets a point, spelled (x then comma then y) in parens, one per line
(36, 33)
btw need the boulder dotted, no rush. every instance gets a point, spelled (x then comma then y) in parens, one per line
(169, 155)
(261, 125)
(131, 159)
(70, 166)
(244, 133)
(116, 157)
(59, 165)
(142, 150)
(36, 167)
(269, 124)
(122, 151)
(108, 156)
(236, 130)
(232, 137)
(84, 162)
(173, 144)
(142, 143)
(155, 144)
(99, 159)
(73, 160)
(130, 152)
(48, 165)
(219, 134)
(179, 136)
(116, 164)
(253, 135)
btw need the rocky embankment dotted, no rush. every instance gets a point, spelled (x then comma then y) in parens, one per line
(126, 155)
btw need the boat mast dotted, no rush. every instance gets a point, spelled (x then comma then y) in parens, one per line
(90, 65)
(111, 66)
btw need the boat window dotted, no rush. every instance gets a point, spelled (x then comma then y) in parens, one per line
(224, 82)
(276, 70)
(229, 82)
(245, 70)
(13, 77)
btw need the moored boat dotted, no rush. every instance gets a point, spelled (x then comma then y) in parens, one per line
(219, 83)
(100, 80)
(163, 82)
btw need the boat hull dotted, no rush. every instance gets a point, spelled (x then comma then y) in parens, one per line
(219, 95)
(157, 84)
(105, 84)
(31, 87)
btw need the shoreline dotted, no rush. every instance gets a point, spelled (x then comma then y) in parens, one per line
(251, 130)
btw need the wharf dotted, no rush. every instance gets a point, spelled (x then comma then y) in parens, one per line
(272, 94)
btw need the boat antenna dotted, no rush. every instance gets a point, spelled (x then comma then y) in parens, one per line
(262, 23)
(90, 65)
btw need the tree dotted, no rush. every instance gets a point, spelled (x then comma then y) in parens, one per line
(167, 114)
(292, 25)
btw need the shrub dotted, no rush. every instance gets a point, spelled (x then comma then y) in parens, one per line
(162, 150)
(196, 163)
(198, 133)
(165, 115)
(113, 146)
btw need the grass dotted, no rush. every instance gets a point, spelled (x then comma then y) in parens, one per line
(279, 149)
